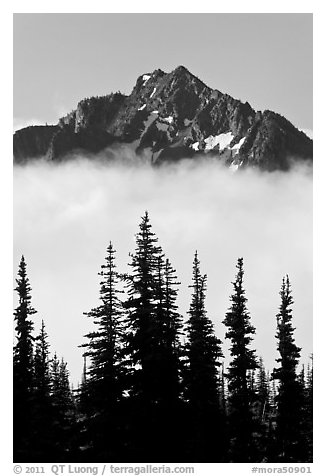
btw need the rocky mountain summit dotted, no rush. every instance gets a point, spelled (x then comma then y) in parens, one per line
(167, 117)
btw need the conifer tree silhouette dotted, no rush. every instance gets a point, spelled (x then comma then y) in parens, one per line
(240, 330)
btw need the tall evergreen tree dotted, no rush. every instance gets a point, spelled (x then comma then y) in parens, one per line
(291, 445)
(106, 373)
(202, 352)
(237, 320)
(169, 326)
(144, 322)
(105, 343)
(42, 403)
(23, 365)
(152, 348)
(203, 348)
(167, 418)
(42, 364)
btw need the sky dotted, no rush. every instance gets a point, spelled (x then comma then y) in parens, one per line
(265, 59)
(65, 216)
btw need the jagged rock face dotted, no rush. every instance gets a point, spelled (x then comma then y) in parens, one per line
(172, 116)
(271, 139)
(33, 142)
(96, 112)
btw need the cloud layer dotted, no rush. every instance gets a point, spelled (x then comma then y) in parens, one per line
(65, 215)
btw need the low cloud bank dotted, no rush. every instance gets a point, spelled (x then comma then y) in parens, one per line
(66, 214)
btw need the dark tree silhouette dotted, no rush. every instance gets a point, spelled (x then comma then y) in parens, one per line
(201, 377)
(23, 366)
(203, 348)
(144, 324)
(106, 373)
(152, 348)
(42, 364)
(289, 438)
(104, 346)
(237, 319)
(167, 422)
(169, 327)
(42, 411)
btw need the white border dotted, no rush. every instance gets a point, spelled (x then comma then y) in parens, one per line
(168, 6)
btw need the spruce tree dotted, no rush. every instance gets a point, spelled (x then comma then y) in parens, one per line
(152, 349)
(23, 366)
(105, 344)
(169, 325)
(237, 320)
(144, 322)
(42, 403)
(167, 415)
(289, 399)
(201, 378)
(106, 373)
(42, 363)
(203, 348)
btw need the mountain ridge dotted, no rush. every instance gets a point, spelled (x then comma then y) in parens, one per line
(172, 116)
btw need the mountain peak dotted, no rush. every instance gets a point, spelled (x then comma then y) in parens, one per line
(171, 116)
(181, 69)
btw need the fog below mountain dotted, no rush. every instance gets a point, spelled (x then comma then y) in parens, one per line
(66, 214)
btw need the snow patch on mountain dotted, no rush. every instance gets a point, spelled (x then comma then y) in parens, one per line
(142, 107)
(195, 146)
(168, 119)
(146, 78)
(222, 140)
(237, 146)
(149, 121)
(153, 92)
